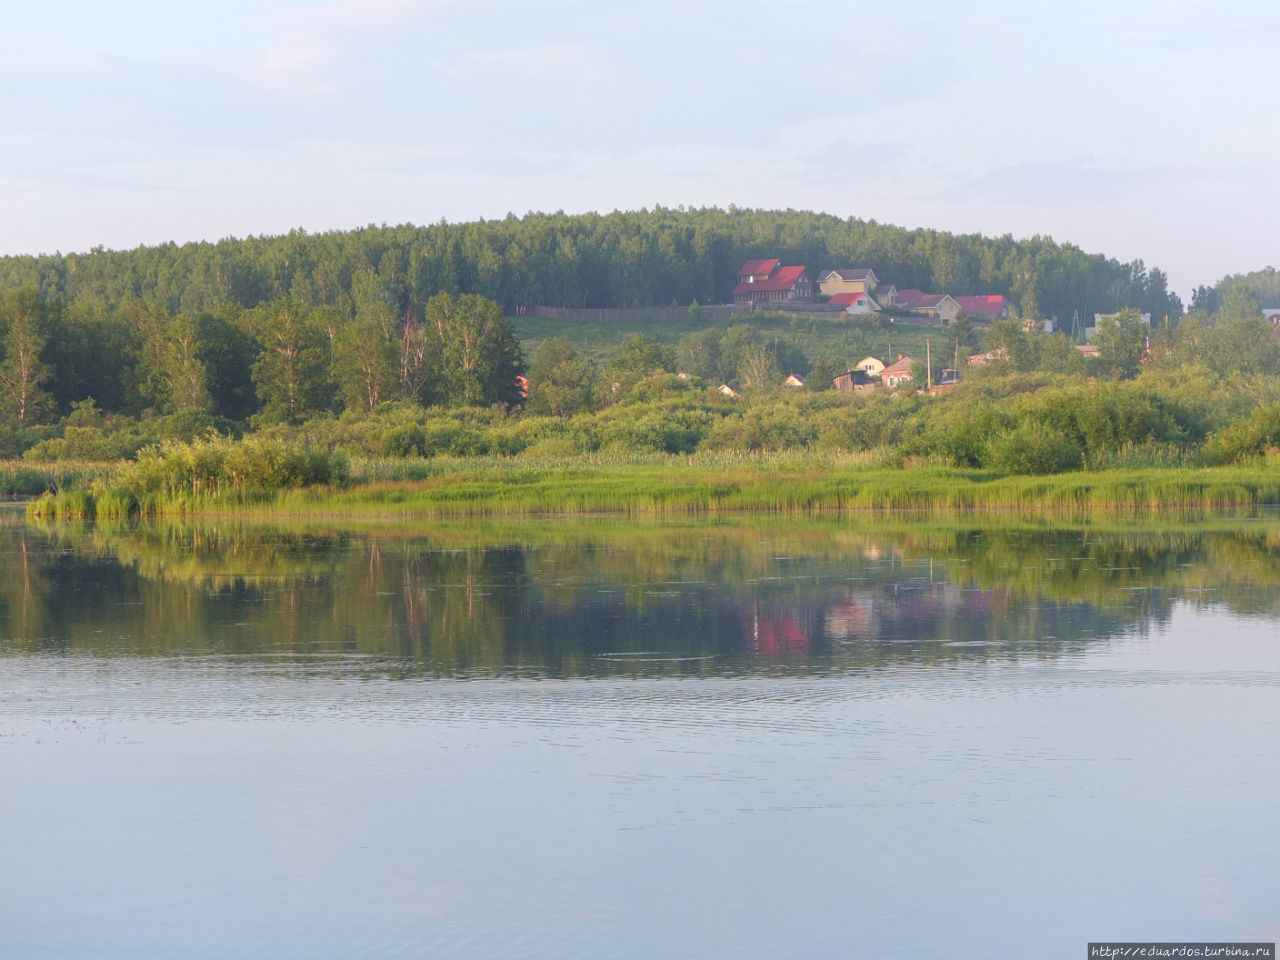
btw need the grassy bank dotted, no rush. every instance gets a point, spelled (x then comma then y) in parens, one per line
(682, 486)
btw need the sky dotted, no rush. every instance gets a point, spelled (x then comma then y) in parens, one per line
(1134, 128)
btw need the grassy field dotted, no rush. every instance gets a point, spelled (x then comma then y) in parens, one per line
(699, 485)
(817, 335)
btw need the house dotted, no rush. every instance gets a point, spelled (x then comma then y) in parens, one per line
(833, 282)
(1272, 315)
(855, 381)
(898, 372)
(767, 281)
(991, 356)
(993, 306)
(794, 380)
(856, 303)
(938, 305)
(907, 298)
(728, 391)
(887, 294)
(871, 366)
(1087, 349)
(1091, 332)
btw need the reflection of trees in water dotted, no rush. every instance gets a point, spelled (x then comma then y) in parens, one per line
(635, 600)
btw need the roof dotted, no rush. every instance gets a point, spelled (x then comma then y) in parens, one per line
(907, 297)
(849, 299)
(861, 273)
(931, 301)
(992, 305)
(784, 279)
(883, 288)
(899, 366)
(856, 377)
(756, 267)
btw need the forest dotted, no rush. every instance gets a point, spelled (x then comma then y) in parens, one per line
(406, 342)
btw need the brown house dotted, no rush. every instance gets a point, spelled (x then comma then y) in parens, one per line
(855, 381)
(765, 281)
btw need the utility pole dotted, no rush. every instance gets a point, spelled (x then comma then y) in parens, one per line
(928, 364)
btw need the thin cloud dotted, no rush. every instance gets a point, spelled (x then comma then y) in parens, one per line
(1054, 183)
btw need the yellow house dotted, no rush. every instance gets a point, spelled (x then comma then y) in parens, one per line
(832, 282)
(871, 366)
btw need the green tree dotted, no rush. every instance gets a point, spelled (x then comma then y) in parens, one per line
(1006, 336)
(823, 372)
(290, 374)
(365, 349)
(480, 356)
(23, 370)
(640, 356)
(1121, 340)
(698, 354)
(1238, 303)
(561, 383)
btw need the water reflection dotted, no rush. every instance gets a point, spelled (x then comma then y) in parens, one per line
(635, 600)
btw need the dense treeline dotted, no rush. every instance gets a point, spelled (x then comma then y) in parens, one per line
(633, 259)
(1263, 284)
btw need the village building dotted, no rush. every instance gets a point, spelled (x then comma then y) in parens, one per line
(991, 356)
(898, 372)
(992, 306)
(872, 366)
(794, 380)
(835, 282)
(938, 305)
(1091, 332)
(886, 294)
(855, 381)
(855, 303)
(766, 281)
(728, 391)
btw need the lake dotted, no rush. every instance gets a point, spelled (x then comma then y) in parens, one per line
(868, 736)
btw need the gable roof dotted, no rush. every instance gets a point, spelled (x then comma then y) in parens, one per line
(784, 279)
(992, 305)
(909, 296)
(900, 366)
(885, 288)
(756, 267)
(849, 299)
(931, 301)
(861, 273)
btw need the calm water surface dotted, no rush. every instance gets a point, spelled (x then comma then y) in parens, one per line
(606, 740)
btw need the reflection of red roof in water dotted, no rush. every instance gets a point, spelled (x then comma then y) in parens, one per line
(775, 636)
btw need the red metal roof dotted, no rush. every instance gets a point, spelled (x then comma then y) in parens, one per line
(907, 297)
(846, 299)
(754, 268)
(991, 305)
(784, 279)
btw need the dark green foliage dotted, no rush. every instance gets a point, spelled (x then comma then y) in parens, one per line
(561, 383)
(1247, 439)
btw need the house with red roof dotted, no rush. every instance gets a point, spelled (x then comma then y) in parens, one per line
(907, 298)
(860, 302)
(994, 306)
(764, 281)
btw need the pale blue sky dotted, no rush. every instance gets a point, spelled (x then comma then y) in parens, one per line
(1135, 128)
